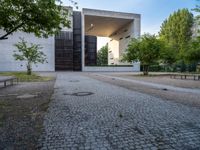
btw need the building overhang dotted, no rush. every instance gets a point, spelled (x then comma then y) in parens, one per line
(105, 23)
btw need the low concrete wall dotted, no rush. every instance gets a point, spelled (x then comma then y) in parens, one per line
(110, 69)
(134, 68)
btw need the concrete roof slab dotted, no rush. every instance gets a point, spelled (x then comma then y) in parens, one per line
(103, 26)
(105, 23)
(106, 13)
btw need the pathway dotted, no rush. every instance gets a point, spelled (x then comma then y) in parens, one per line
(89, 114)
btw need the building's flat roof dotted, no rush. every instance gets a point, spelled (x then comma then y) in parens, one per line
(105, 23)
(113, 14)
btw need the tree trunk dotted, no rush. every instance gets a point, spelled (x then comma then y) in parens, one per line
(29, 69)
(146, 70)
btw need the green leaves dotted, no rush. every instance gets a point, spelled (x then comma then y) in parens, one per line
(176, 30)
(30, 54)
(102, 56)
(133, 50)
(168, 54)
(146, 49)
(193, 53)
(41, 17)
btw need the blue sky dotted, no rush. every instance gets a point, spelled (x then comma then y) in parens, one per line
(153, 12)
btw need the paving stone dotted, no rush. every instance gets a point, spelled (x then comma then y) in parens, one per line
(94, 121)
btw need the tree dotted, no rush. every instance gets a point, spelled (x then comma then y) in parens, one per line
(193, 54)
(177, 31)
(30, 54)
(197, 9)
(146, 49)
(167, 54)
(41, 17)
(102, 56)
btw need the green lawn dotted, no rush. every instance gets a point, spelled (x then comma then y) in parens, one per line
(23, 77)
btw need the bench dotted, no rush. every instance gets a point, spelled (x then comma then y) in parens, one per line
(6, 79)
(185, 76)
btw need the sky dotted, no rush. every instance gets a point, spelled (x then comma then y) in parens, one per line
(153, 12)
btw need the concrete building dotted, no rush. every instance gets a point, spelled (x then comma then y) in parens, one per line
(196, 29)
(75, 48)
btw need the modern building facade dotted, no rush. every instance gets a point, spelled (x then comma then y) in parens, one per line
(196, 29)
(75, 48)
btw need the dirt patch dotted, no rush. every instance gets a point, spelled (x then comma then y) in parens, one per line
(162, 79)
(185, 98)
(21, 119)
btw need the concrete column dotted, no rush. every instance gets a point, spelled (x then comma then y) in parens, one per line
(83, 40)
(137, 27)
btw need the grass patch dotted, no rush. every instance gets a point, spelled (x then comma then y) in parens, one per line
(23, 77)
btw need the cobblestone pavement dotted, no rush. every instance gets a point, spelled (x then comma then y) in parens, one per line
(111, 117)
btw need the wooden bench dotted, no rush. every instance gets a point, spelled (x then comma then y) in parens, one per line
(6, 79)
(185, 76)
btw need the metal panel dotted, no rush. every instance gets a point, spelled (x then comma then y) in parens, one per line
(64, 51)
(77, 40)
(68, 47)
(90, 50)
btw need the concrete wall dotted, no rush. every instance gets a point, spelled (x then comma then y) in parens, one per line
(118, 44)
(108, 69)
(195, 29)
(134, 68)
(119, 39)
(70, 17)
(8, 63)
(106, 13)
(113, 51)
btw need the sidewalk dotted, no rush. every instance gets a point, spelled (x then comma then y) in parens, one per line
(89, 114)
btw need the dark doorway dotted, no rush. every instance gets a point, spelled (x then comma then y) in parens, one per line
(90, 50)
(64, 51)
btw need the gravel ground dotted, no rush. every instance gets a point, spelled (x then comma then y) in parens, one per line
(22, 108)
(163, 79)
(186, 98)
(89, 114)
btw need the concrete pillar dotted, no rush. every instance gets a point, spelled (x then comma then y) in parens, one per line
(137, 27)
(83, 40)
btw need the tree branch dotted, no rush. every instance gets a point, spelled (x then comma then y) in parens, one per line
(4, 37)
